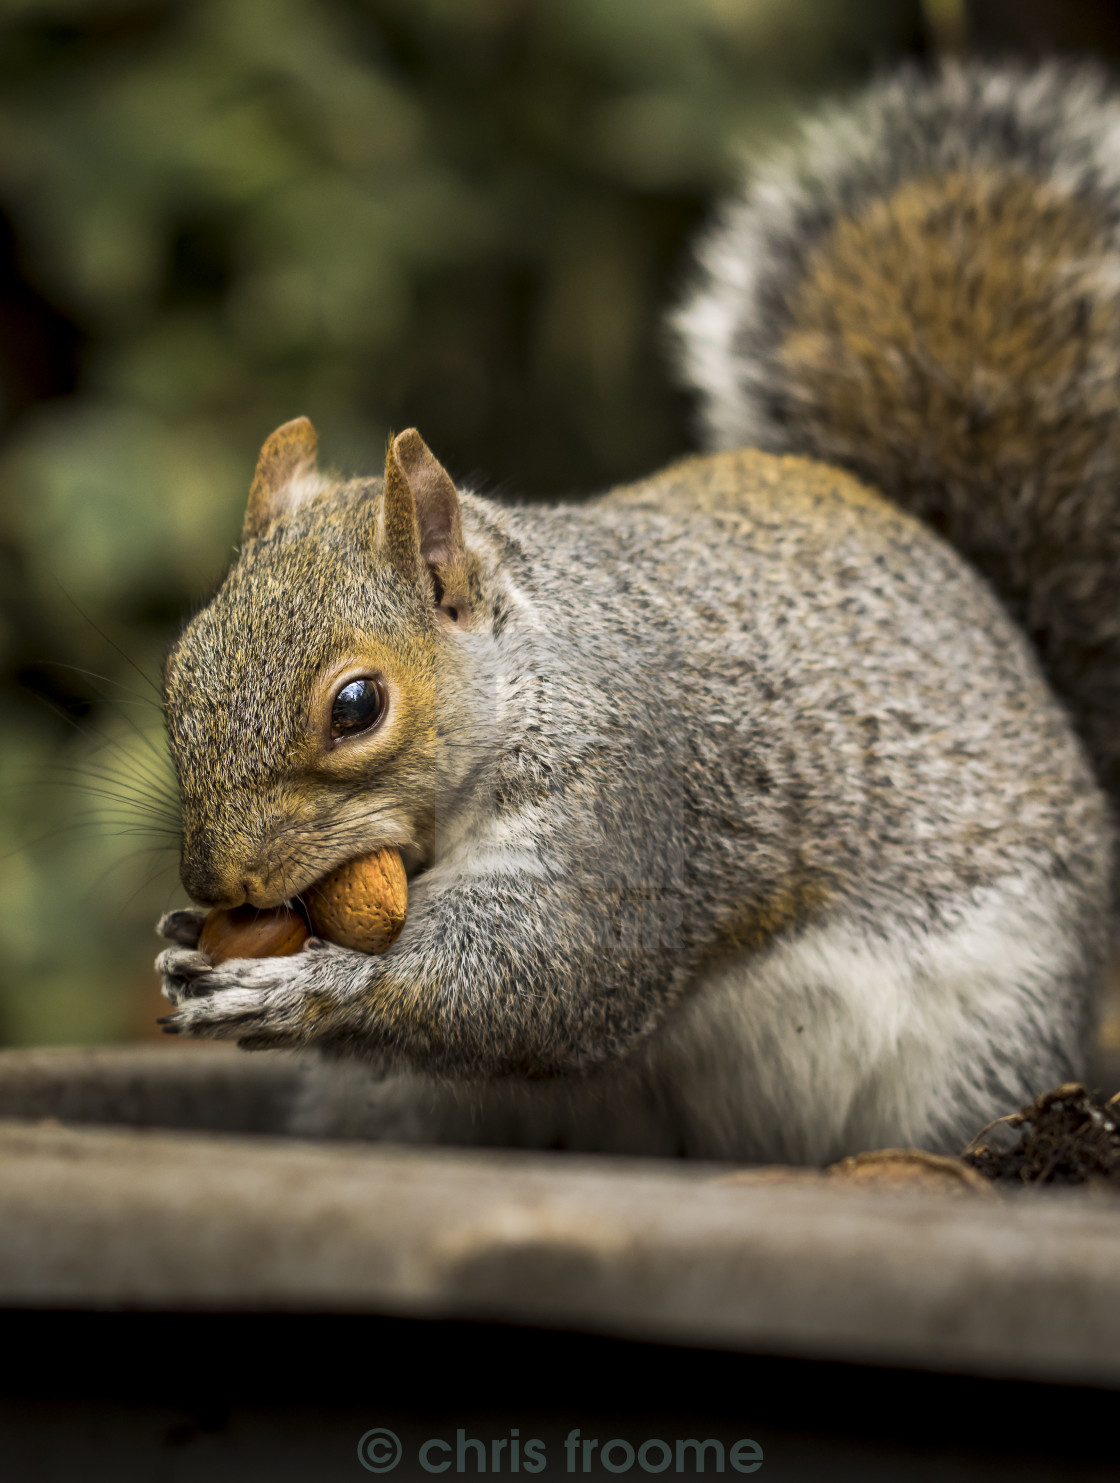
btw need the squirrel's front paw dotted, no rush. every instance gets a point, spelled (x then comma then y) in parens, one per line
(246, 998)
(257, 1001)
(183, 926)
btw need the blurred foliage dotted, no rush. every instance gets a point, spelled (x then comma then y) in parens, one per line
(463, 214)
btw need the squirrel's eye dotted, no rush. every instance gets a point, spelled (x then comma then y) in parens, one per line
(357, 707)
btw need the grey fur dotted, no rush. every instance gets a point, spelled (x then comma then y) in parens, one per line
(1046, 534)
(741, 821)
(721, 710)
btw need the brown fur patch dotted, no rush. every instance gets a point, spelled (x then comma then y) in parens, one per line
(957, 344)
(793, 902)
(730, 484)
(964, 283)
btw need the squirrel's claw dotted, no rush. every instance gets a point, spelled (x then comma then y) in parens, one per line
(184, 971)
(183, 926)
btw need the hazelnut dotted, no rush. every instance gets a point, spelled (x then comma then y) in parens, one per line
(252, 932)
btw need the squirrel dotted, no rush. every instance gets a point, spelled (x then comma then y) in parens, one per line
(760, 810)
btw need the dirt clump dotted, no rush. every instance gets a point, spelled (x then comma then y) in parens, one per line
(1068, 1137)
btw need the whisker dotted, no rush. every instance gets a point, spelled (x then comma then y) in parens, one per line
(152, 876)
(111, 642)
(93, 674)
(90, 827)
(140, 805)
(84, 730)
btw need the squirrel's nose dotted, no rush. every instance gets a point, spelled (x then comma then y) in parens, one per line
(218, 871)
(210, 887)
(257, 891)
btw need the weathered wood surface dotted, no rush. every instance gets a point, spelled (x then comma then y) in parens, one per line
(101, 1217)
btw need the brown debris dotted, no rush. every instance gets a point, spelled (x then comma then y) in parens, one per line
(1068, 1137)
(887, 1169)
(910, 1168)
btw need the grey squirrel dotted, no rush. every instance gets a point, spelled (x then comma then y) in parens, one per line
(762, 809)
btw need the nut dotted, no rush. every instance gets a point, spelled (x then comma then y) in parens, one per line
(251, 932)
(362, 904)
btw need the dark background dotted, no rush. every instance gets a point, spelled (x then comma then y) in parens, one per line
(468, 215)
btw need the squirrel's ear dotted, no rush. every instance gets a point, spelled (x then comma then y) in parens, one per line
(286, 476)
(420, 524)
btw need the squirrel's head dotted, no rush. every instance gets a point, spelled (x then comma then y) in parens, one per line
(306, 703)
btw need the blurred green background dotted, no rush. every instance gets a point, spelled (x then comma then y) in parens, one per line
(465, 214)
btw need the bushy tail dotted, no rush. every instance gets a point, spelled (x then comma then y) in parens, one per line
(927, 291)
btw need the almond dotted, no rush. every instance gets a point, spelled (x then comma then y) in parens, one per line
(363, 903)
